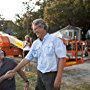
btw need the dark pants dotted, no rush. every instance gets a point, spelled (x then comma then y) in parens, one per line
(45, 81)
(25, 53)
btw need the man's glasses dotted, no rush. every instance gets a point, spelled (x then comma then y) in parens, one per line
(34, 30)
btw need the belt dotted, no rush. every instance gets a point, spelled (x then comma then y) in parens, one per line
(51, 72)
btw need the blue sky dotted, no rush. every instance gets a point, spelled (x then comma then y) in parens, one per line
(8, 8)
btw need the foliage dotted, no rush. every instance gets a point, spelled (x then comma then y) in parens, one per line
(55, 16)
(56, 13)
(60, 13)
(25, 21)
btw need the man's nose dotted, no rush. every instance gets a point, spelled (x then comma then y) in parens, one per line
(34, 31)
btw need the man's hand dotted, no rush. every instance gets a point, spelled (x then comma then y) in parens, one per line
(57, 84)
(10, 74)
(7, 75)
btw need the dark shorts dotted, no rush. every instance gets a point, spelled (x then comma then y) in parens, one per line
(25, 53)
(45, 81)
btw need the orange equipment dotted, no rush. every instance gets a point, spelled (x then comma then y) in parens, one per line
(75, 52)
(4, 41)
(9, 48)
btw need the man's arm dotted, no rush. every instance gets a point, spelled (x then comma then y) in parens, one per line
(20, 65)
(11, 73)
(20, 72)
(57, 82)
(17, 68)
(3, 77)
(23, 76)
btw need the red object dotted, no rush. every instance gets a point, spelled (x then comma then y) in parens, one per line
(4, 41)
(75, 53)
(9, 49)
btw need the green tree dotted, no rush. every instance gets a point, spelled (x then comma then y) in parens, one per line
(59, 13)
(55, 14)
(25, 21)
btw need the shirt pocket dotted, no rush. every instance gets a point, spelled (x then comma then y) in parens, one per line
(49, 50)
(36, 52)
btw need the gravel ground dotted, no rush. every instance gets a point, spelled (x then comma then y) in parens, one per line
(76, 77)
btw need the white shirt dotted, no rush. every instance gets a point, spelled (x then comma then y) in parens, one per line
(47, 52)
(26, 46)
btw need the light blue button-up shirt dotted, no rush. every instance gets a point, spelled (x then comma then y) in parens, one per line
(47, 52)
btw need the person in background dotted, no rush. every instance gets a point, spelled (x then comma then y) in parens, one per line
(50, 53)
(7, 64)
(27, 44)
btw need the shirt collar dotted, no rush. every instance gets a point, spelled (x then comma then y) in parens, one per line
(45, 37)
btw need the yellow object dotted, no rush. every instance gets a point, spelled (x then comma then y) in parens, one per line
(13, 40)
(71, 63)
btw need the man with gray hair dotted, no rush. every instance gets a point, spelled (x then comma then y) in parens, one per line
(49, 52)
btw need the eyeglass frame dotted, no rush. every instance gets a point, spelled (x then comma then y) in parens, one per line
(35, 29)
